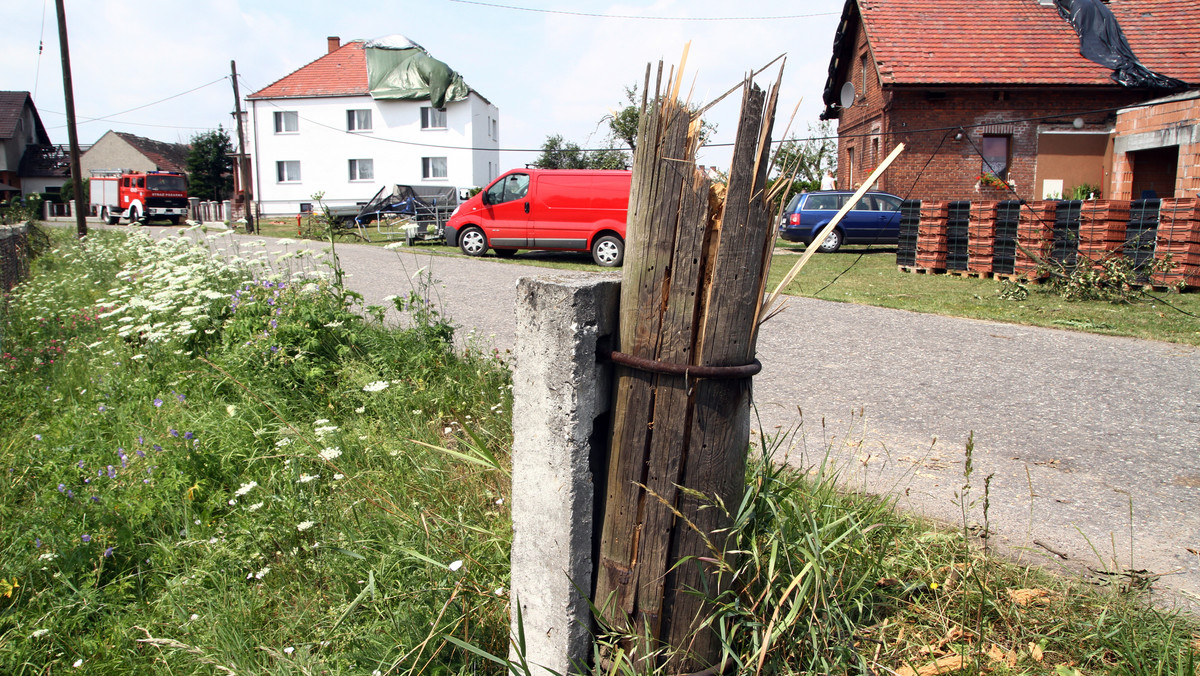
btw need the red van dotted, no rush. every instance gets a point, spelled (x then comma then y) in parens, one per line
(557, 209)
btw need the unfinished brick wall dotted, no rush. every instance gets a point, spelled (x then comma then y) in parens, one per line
(1164, 125)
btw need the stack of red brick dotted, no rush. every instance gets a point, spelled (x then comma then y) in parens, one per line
(931, 235)
(1102, 229)
(981, 236)
(1179, 237)
(1035, 235)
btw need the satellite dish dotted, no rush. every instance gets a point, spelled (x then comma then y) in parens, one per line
(848, 94)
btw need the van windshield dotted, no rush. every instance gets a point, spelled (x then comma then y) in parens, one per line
(164, 182)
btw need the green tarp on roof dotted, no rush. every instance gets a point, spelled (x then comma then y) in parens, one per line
(398, 68)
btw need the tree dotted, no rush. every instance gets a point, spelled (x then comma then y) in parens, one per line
(210, 165)
(559, 153)
(807, 159)
(623, 123)
(66, 193)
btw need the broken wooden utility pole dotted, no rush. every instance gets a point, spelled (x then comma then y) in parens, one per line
(72, 134)
(697, 257)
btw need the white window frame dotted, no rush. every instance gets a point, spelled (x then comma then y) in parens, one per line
(430, 117)
(281, 119)
(283, 173)
(429, 168)
(354, 121)
(357, 168)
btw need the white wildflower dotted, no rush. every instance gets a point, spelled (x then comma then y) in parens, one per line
(339, 477)
(456, 565)
(255, 507)
(330, 452)
(376, 386)
(38, 633)
(246, 488)
(305, 478)
(304, 525)
(262, 573)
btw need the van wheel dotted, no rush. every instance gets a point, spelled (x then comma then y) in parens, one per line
(505, 253)
(832, 243)
(473, 242)
(608, 251)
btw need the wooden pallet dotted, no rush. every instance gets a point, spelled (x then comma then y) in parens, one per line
(970, 274)
(921, 271)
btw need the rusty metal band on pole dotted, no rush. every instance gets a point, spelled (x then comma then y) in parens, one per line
(687, 371)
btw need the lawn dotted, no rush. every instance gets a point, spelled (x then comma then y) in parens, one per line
(205, 470)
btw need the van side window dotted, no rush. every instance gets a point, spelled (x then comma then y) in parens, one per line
(513, 187)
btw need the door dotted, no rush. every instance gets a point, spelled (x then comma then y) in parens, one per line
(507, 209)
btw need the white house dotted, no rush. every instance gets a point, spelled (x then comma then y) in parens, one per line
(335, 128)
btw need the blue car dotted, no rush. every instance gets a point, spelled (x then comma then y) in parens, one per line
(874, 220)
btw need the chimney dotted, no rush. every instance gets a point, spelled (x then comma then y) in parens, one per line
(335, 43)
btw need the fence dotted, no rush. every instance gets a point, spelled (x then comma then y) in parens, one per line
(14, 255)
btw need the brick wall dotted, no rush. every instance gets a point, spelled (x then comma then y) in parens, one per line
(1176, 123)
(883, 116)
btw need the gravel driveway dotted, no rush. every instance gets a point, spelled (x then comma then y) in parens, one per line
(1088, 438)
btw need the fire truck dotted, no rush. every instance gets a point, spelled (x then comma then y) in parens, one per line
(139, 195)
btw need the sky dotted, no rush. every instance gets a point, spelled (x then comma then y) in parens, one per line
(160, 68)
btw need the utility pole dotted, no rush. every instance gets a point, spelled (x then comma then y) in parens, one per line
(243, 161)
(76, 172)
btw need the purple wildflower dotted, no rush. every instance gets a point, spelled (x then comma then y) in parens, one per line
(189, 436)
(141, 440)
(61, 488)
(80, 464)
(95, 498)
(37, 542)
(180, 397)
(157, 447)
(173, 432)
(112, 473)
(70, 494)
(157, 402)
(86, 538)
(108, 552)
(141, 453)
(101, 408)
(38, 437)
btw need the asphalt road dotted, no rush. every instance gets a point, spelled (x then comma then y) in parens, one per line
(1092, 442)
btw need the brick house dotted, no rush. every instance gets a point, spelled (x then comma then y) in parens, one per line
(1156, 149)
(1002, 80)
(119, 150)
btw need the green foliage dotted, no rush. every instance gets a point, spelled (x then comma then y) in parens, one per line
(623, 122)
(1112, 279)
(20, 209)
(805, 161)
(258, 494)
(1086, 191)
(66, 193)
(210, 165)
(558, 153)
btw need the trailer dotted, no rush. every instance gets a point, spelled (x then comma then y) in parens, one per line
(408, 212)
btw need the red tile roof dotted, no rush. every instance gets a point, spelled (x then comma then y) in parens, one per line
(342, 72)
(165, 156)
(1020, 42)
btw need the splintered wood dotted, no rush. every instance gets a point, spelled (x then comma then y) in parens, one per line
(697, 256)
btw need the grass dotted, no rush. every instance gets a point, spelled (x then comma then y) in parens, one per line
(206, 470)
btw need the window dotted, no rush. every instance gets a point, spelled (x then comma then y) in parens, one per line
(996, 156)
(288, 172)
(513, 187)
(433, 118)
(823, 203)
(862, 68)
(496, 129)
(850, 166)
(362, 170)
(358, 120)
(433, 167)
(287, 122)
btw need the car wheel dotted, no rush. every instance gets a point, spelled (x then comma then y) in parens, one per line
(505, 253)
(832, 242)
(608, 251)
(473, 242)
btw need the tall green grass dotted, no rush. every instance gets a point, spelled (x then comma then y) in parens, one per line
(204, 473)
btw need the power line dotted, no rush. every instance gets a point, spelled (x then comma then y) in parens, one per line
(593, 15)
(152, 103)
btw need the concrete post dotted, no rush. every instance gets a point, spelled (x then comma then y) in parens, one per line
(559, 392)
(194, 209)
